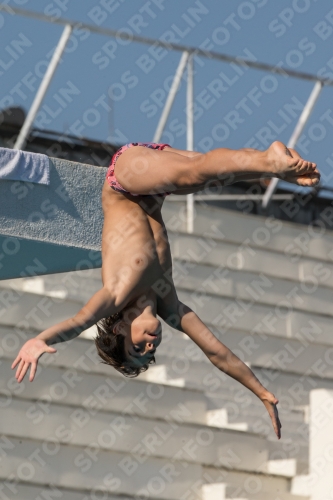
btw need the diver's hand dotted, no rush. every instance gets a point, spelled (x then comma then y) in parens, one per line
(270, 403)
(28, 357)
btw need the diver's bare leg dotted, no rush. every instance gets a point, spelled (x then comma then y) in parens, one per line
(143, 170)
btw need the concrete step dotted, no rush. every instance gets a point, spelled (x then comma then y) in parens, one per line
(271, 354)
(48, 383)
(222, 253)
(249, 284)
(83, 380)
(80, 385)
(242, 494)
(307, 334)
(194, 371)
(20, 491)
(254, 288)
(73, 386)
(227, 396)
(254, 230)
(79, 354)
(244, 256)
(292, 389)
(42, 463)
(263, 495)
(266, 352)
(280, 320)
(248, 414)
(289, 458)
(122, 433)
(289, 463)
(28, 492)
(261, 350)
(245, 480)
(292, 448)
(241, 485)
(256, 420)
(31, 310)
(70, 386)
(76, 285)
(242, 284)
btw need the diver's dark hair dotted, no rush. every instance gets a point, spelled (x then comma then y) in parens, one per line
(110, 347)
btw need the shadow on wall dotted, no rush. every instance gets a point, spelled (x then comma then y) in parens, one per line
(20, 258)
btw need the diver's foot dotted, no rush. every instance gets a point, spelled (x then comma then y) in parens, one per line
(288, 165)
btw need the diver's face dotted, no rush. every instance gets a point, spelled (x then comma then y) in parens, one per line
(142, 338)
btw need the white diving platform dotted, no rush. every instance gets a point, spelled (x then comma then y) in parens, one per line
(53, 228)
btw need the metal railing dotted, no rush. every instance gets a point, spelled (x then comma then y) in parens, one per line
(186, 62)
(305, 115)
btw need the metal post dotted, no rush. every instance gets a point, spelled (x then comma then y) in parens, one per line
(26, 127)
(190, 138)
(305, 115)
(171, 96)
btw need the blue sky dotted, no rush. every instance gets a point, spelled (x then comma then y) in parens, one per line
(116, 89)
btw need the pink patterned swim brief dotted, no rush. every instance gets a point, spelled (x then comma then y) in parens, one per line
(110, 176)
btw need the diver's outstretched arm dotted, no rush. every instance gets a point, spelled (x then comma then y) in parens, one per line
(102, 304)
(181, 317)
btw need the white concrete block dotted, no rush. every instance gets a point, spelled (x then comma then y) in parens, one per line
(321, 443)
(301, 485)
(285, 467)
(219, 418)
(159, 374)
(90, 333)
(213, 491)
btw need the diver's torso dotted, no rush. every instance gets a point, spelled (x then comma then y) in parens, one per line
(135, 248)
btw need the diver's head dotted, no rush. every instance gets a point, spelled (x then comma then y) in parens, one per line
(128, 340)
